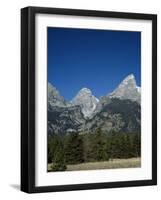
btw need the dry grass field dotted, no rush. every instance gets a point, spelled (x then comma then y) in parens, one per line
(111, 164)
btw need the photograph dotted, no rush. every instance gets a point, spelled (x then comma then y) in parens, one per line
(93, 99)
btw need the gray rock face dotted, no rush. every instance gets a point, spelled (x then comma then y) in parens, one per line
(54, 98)
(116, 115)
(102, 101)
(86, 100)
(127, 89)
(63, 120)
(63, 117)
(118, 111)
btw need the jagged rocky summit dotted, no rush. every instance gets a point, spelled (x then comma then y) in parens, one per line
(54, 98)
(117, 111)
(127, 89)
(86, 100)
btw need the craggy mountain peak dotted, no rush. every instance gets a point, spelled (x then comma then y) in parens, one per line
(127, 89)
(86, 100)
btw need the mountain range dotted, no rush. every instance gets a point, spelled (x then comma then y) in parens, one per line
(116, 111)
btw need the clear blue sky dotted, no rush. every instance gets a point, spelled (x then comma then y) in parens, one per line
(96, 59)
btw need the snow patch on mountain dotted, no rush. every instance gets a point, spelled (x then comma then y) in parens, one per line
(139, 89)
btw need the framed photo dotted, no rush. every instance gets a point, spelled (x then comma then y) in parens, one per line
(88, 99)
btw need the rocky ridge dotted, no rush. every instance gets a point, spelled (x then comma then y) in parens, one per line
(117, 111)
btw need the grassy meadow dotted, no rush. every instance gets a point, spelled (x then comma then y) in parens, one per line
(111, 164)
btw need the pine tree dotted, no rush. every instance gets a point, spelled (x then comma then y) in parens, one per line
(74, 149)
(57, 154)
(98, 146)
(137, 145)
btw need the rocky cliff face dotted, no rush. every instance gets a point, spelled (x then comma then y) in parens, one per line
(127, 89)
(86, 101)
(116, 115)
(54, 98)
(62, 120)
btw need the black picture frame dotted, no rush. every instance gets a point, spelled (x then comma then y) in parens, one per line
(28, 98)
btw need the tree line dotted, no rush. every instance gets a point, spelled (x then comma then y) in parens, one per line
(77, 148)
